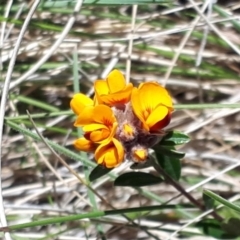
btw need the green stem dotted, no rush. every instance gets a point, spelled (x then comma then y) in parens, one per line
(206, 106)
(95, 214)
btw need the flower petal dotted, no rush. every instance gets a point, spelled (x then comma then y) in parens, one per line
(137, 106)
(153, 94)
(85, 117)
(161, 124)
(99, 135)
(103, 114)
(111, 154)
(79, 102)
(121, 97)
(157, 115)
(83, 144)
(101, 87)
(116, 81)
(93, 127)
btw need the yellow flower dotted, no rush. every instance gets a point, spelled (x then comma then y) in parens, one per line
(114, 90)
(98, 123)
(152, 105)
(111, 154)
(79, 102)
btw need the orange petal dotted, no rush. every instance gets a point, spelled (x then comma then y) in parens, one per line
(99, 135)
(121, 97)
(86, 117)
(112, 133)
(79, 102)
(116, 81)
(83, 144)
(103, 114)
(110, 155)
(158, 114)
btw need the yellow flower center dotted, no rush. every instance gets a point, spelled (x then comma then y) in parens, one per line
(128, 130)
(140, 155)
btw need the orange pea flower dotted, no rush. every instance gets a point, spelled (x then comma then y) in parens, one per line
(114, 90)
(152, 105)
(121, 120)
(110, 154)
(98, 123)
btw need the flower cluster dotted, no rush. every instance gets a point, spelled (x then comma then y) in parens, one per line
(121, 121)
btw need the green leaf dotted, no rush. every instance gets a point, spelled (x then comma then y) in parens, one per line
(171, 166)
(137, 179)
(98, 172)
(222, 200)
(175, 138)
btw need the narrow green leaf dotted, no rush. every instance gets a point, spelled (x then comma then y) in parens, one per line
(222, 200)
(208, 202)
(137, 179)
(98, 172)
(175, 138)
(89, 215)
(71, 3)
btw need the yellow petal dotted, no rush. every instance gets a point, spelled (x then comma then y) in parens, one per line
(111, 154)
(83, 144)
(121, 97)
(152, 94)
(157, 115)
(93, 127)
(116, 81)
(101, 87)
(85, 117)
(137, 105)
(79, 102)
